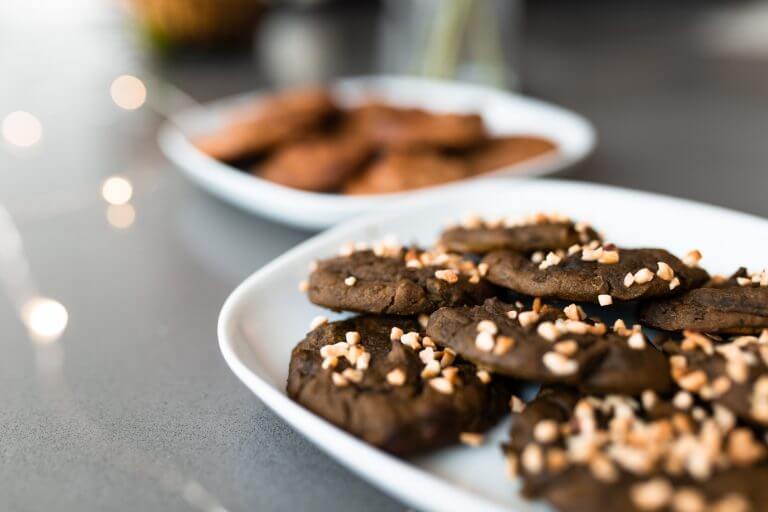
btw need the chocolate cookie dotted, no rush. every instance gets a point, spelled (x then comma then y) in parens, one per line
(273, 120)
(547, 346)
(736, 305)
(320, 164)
(733, 374)
(410, 128)
(398, 283)
(397, 171)
(540, 232)
(500, 152)
(619, 453)
(594, 274)
(395, 391)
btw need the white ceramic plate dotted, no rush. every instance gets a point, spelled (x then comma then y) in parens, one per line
(503, 112)
(266, 315)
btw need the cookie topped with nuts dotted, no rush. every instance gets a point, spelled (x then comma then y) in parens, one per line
(539, 232)
(594, 273)
(737, 305)
(624, 453)
(546, 344)
(396, 281)
(732, 374)
(380, 379)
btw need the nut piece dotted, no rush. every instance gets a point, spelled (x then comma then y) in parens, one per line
(665, 272)
(395, 334)
(396, 377)
(339, 380)
(317, 322)
(652, 495)
(352, 337)
(527, 318)
(516, 405)
(350, 281)
(629, 279)
(447, 275)
(484, 341)
(471, 438)
(636, 341)
(604, 299)
(692, 258)
(487, 326)
(546, 431)
(442, 385)
(643, 276)
(559, 364)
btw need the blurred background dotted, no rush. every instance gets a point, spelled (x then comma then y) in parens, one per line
(114, 267)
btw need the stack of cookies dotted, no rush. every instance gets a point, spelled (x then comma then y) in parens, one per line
(304, 139)
(445, 335)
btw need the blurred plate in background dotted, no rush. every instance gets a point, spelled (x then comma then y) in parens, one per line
(504, 113)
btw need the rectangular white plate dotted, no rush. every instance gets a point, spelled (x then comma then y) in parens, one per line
(504, 113)
(266, 315)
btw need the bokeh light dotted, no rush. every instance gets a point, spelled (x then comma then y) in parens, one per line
(128, 92)
(117, 190)
(22, 129)
(121, 216)
(45, 318)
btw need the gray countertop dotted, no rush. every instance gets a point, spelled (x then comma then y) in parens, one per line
(133, 408)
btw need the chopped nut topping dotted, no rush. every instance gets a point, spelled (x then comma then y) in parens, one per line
(693, 381)
(636, 341)
(511, 466)
(559, 364)
(353, 375)
(432, 369)
(503, 345)
(487, 326)
(643, 276)
(350, 281)
(516, 405)
(452, 374)
(317, 322)
(652, 495)
(603, 469)
(412, 339)
(551, 260)
(665, 272)
(330, 362)
(448, 357)
(533, 459)
(423, 320)
(548, 331)
(395, 334)
(484, 376)
(352, 337)
(427, 342)
(527, 318)
(339, 380)
(674, 283)
(471, 438)
(441, 385)
(566, 347)
(363, 361)
(692, 258)
(688, 499)
(574, 312)
(427, 355)
(629, 279)
(447, 275)
(608, 257)
(604, 300)
(485, 341)
(649, 399)
(336, 350)
(682, 400)
(537, 257)
(546, 431)
(589, 254)
(744, 281)
(396, 377)
(482, 269)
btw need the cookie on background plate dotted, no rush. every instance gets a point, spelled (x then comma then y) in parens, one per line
(379, 379)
